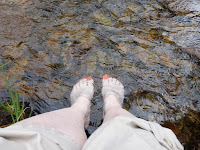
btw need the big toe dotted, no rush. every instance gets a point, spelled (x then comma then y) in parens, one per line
(90, 81)
(106, 79)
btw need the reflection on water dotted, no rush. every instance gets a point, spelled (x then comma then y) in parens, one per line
(151, 46)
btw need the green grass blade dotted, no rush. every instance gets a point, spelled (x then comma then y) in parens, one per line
(10, 111)
(30, 113)
(8, 86)
(7, 109)
(16, 104)
(4, 64)
(22, 109)
(13, 119)
(20, 117)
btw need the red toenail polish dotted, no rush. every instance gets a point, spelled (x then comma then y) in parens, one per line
(105, 76)
(89, 78)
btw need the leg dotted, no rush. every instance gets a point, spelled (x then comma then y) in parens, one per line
(127, 132)
(113, 94)
(69, 121)
(112, 109)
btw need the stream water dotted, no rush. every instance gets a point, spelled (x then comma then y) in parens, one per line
(151, 46)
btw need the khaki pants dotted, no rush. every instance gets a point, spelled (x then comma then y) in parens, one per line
(121, 133)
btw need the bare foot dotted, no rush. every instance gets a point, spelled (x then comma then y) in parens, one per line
(81, 96)
(112, 86)
(84, 88)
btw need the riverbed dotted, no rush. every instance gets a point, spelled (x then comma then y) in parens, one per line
(151, 46)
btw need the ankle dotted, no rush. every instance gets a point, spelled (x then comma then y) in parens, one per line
(110, 103)
(82, 104)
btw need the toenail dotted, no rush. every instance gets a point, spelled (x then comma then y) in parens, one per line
(89, 78)
(105, 76)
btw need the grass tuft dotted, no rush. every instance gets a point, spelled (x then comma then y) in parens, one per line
(16, 110)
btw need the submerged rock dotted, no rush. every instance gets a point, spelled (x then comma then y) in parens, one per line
(167, 61)
(15, 28)
(15, 72)
(101, 18)
(191, 7)
(101, 58)
(91, 64)
(183, 29)
(186, 38)
(187, 129)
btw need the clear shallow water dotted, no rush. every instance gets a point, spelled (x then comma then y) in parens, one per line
(152, 47)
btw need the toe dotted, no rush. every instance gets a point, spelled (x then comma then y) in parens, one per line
(114, 80)
(89, 78)
(90, 81)
(120, 84)
(105, 80)
(105, 76)
(110, 80)
(83, 82)
(117, 82)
